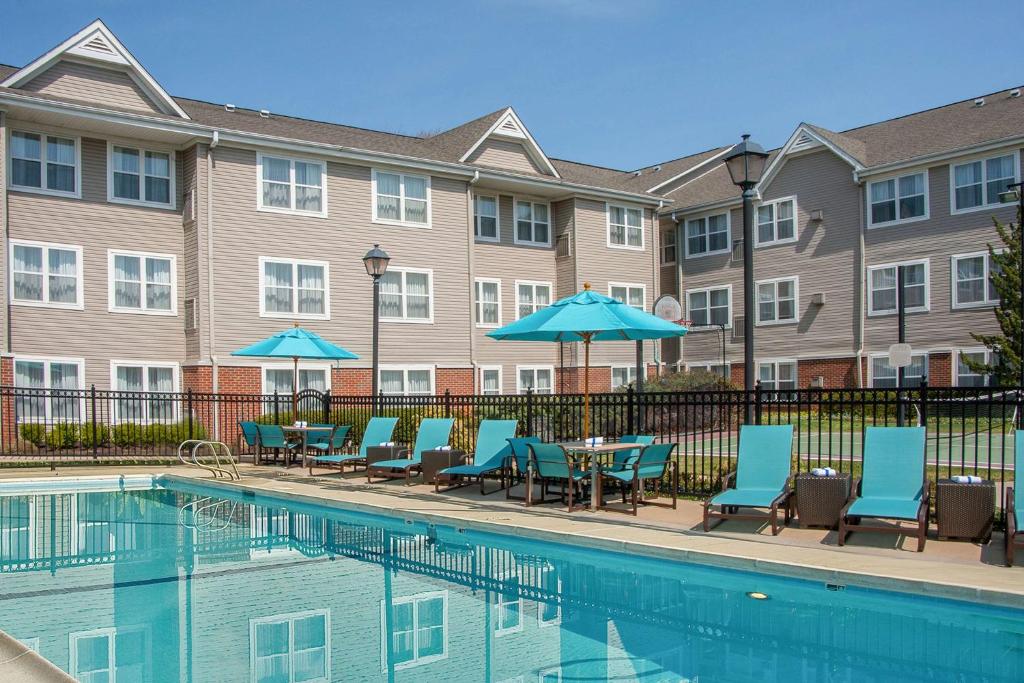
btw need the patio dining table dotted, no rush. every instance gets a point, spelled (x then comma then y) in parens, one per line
(595, 453)
(303, 433)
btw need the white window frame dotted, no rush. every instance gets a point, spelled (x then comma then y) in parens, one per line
(775, 222)
(872, 313)
(916, 354)
(481, 369)
(27, 527)
(795, 279)
(172, 196)
(956, 363)
(499, 603)
(543, 673)
(708, 290)
(405, 369)
(145, 365)
(628, 286)
(416, 660)
(705, 216)
(672, 232)
(988, 302)
(430, 288)
(630, 370)
(303, 365)
(534, 284)
(46, 303)
(709, 364)
(322, 213)
(497, 218)
(896, 179)
(984, 180)
(260, 519)
(516, 201)
(520, 389)
(291, 618)
(110, 634)
(112, 306)
(294, 314)
(776, 362)
(77, 194)
(47, 382)
(608, 227)
(478, 304)
(401, 201)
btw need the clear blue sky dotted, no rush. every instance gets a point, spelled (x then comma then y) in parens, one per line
(621, 84)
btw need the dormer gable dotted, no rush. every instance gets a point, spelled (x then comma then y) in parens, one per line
(507, 144)
(807, 138)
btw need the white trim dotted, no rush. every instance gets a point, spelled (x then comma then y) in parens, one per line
(294, 313)
(707, 290)
(516, 200)
(401, 199)
(927, 287)
(674, 232)
(532, 148)
(871, 357)
(141, 201)
(710, 160)
(954, 303)
(629, 286)
(481, 369)
(405, 369)
(110, 633)
(896, 177)
(290, 619)
(290, 366)
(500, 602)
(993, 154)
(955, 363)
(477, 304)
(292, 184)
(497, 217)
(46, 303)
(704, 216)
(145, 365)
(542, 674)
(775, 363)
(780, 159)
(112, 307)
(430, 302)
(626, 208)
(42, 189)
(520, 389)
(385, 646)
(707, 365)
(629, 368)
(534, 284)
(774, 203)
(795, 279)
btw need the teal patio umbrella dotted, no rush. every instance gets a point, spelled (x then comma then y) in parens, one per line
(296, 343)
(588, 317)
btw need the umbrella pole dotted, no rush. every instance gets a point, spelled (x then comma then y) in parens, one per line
(295, 390)
(586, 386)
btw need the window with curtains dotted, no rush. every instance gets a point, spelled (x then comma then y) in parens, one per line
(623, 375)
(531, 297)
(277, 379)
(625, 227)
(883, 297)
(140, 176)
(490, 381)
(485, 210)
(291, 185)
(668, 245)
(707, 235)
(142, 283)
(972, 280)
(533, 223)
(418, 629)
(406, 295)
(44, 163)
(777, 375)
(113, 655)
(717, 368)
(977, 184)
(965, 376)
(44, 274)
(711, 306)
(488, 303)
(632, 295)
(896, 200)
(776, 221)
(290, 648)
(407, 381)
(401, 198)
(777, 301)
(884, 376)
(292, 288)
(51, 378)
(508, 609)
(539, 378)
(145, 378)
(17, 522)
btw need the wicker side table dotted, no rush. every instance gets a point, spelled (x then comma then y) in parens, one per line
(434, 461)
(965, 510)
(820, 499)
(381, 453)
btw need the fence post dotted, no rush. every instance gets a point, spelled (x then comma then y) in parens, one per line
(327, 406)
(529, 411)
(629, 409)
(447, 402)
(757, 402)
(277, 410)
(92, 409)
(924, 402)
(191, 434)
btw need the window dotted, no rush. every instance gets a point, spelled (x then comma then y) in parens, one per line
(882, 285)
(488, 303)
(668, 245)
(533, 223)
(401, 199)
(550, 675)
(142, 283)
(625, 227)
(717, 368)
(57, 381)
(291, 185)
(508, 609)
(972, 280)
(965, 376)
(278, 379)
(418, 630)
(146, 378)
(139, 176)
(44, 274)
(17, 520)
(406, 295)
(110, 655)
(898, 199)
(407, 381)
(777, 375)
(977, 184)
(45, 163)
(707, 235)
(531, 297)
(485, 211)
(538, 378)
(776, 222)
(633, 295)
(292, 288)
(777, 301)
(290, 648)
(103, 525)
(884, 376)
(490, 380)
(623, 375)
(712, 306)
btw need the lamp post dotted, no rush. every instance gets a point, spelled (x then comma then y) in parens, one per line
(376, 262)
(746, 162)
(1015, 191)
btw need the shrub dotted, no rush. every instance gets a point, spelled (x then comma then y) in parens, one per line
(62, 436)
(33, 433)
(102, 436)
(689, 380)
(172, 433)
(127, 434)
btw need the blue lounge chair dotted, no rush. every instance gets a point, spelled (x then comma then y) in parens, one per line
(272, 437)
(893, 486)
(1014, 502)
(623, 459)
(520, 458)
(378, 430)
(433, 432)
(653, 463)
(489, 459)
(331, 439)
(762, 477)
(249, 436)
(550, 463)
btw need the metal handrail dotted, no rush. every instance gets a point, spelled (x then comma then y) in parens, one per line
(217, 468)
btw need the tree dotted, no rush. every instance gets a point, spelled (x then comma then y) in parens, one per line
(1007, 347)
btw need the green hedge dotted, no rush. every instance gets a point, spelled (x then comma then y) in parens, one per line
(33, 433)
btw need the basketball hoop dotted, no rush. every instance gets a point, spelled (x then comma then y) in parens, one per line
(684, 322)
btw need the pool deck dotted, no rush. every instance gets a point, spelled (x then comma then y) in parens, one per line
(953, 569)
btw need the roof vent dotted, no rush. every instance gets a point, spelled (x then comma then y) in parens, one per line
(637, 174)
(657, 168)
(99, 44)
(1015, 92)
(229, 107)
(979, 102)
(264, 113)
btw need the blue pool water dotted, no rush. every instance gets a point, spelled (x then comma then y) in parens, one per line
(182, 583)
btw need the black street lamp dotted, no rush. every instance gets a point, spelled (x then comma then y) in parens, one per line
(376, 262)
(746, 162)
(1015, 191)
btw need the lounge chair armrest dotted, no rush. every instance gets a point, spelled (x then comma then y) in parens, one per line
(1010, 512)
(727, 479)
(854, 489)
(404, 454)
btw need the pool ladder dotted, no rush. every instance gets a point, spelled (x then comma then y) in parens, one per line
(190, 453)
(203, 514)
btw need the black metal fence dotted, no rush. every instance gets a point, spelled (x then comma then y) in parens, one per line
(970, 430)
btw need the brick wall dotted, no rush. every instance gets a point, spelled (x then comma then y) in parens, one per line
(458, 381)
(570, 380)
(940, 369)
(10, 431)
(837, 372)
(198, 378)
(351, 381)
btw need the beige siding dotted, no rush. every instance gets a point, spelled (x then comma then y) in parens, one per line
(504, 154)
(91, 84)
(190, 269)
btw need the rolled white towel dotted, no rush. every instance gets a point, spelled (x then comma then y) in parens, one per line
(967, 479)
(387, 444)
(444, 448)
(595, 441)
(823, 472)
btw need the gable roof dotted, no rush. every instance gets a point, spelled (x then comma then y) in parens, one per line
(507, 125)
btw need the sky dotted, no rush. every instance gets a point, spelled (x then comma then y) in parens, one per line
(619, 84)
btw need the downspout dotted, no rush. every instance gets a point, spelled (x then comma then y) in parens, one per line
(656, 273)
(679, 281)
(4, 219)
(471, 222)
(862, 279)
(215, 375)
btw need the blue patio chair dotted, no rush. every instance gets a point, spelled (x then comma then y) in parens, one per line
(331, 439)
(489, 459)
(623, 459)
(378, 430)
(249, 436)
(433, 433)
(1014, 502)
(520, 458)
(762, 477)
(552, 464)
(893, 484)
(653, 463)
(272, 437)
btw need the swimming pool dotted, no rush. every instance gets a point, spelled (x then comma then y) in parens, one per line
(167, 581)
